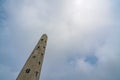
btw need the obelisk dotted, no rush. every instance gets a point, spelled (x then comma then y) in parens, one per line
(32, 67)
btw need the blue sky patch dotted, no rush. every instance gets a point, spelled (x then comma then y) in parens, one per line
(92, 59)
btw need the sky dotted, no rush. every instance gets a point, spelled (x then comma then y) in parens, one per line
(83, 38)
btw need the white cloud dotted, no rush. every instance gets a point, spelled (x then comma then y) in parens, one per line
(75, 28)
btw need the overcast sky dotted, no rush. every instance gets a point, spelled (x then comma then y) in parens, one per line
(83, 38)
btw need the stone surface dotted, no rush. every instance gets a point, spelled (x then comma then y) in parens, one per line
(32, 67)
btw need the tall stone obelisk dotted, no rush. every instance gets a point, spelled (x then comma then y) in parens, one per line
(32, 67)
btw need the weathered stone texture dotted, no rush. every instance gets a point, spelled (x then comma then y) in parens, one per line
(32, 67)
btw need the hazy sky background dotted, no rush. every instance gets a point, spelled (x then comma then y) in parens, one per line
(83, 38)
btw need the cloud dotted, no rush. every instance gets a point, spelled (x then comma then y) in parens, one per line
(6, 73)
(79, 32)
